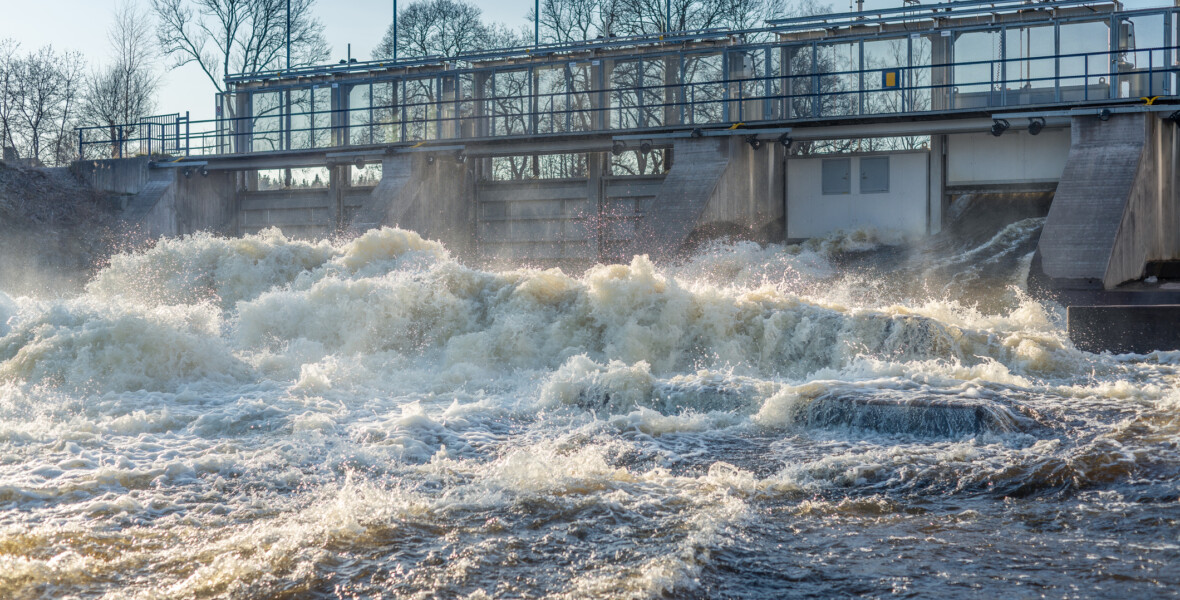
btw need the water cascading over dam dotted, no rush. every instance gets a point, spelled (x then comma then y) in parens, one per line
(755, 326)
(260, 416)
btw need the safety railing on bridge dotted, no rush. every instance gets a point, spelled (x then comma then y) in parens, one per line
(783, 81)
(149, 136)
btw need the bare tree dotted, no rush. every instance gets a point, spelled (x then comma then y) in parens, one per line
(238, 36)
(443, 28)
(9, 76)
(36, 93)
(123, 93)
(71, 68)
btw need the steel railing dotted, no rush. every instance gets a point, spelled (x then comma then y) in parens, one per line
(696, 95)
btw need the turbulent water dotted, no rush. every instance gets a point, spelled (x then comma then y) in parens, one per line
(263, 417)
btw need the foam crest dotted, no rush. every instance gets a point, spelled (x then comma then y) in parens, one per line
(206, 268)
(86, 347)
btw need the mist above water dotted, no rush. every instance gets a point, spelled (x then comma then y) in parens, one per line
(260, 417)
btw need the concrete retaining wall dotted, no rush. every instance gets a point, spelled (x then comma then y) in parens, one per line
(121, 176)
(546, 220)
(1115, 206)
(717, 186)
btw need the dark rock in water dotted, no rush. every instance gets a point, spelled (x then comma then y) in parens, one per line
(937, 416)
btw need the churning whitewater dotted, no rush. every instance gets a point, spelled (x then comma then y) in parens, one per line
(263, 417)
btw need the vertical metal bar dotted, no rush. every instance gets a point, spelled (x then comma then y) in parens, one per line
(1056, 60)
(1086, 77)
(815, 94)
(1167, 52)
(1003, 66)
(860, 76)
(768, 84)
(288, 35)
(395, 30)
(639, 73)
(534, 101)
(681, 97)
(187, 133)
(403, 111)
(536, 23)
(1112, 58)
(81, 155)
(726, 77)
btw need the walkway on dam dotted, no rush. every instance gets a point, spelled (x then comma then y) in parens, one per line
(1002, 61)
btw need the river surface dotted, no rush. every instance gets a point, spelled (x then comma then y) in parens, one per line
(271, 418)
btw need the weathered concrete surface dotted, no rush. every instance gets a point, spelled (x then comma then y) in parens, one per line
(154, 207)
(120, 176)
(1114, 208)
(297, 212)
(427, 193)
(717, 186)
(1122, 329)
(163, 201)
(549, 221)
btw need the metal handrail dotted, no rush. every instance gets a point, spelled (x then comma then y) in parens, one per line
(646, 106)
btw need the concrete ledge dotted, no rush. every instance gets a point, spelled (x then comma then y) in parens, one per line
(1122, 328)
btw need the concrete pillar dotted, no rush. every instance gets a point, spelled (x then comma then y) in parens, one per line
(340, 117)
(673, 92)
(243, 123)
(600, 70)
(479, 104)
(936, 187)
(941, 77)
(432, 194)
(1105, 221)
(594, 170)
(338, 180)
(717, 186)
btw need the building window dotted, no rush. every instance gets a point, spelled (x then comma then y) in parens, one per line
(874, 175)
(837, 176)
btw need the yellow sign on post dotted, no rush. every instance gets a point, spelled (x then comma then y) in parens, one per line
(891, 78)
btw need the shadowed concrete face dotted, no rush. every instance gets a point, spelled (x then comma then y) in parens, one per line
(1108, 217)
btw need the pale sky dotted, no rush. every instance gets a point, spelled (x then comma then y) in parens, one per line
(82, 25)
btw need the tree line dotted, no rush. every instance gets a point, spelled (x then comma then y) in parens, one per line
(452, 27)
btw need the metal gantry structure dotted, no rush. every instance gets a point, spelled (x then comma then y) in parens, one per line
(966, 57)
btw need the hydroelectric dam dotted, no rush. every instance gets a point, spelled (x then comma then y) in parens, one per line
(576, 154)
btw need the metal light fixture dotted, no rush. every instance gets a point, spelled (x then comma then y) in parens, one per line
(360, 162)
(617, 147)
(696, 132)
(785, 140)
(1104, 115)
(1035, 125)
(1000, 126)
(645, 146)
(204, 172)
(753, 141)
